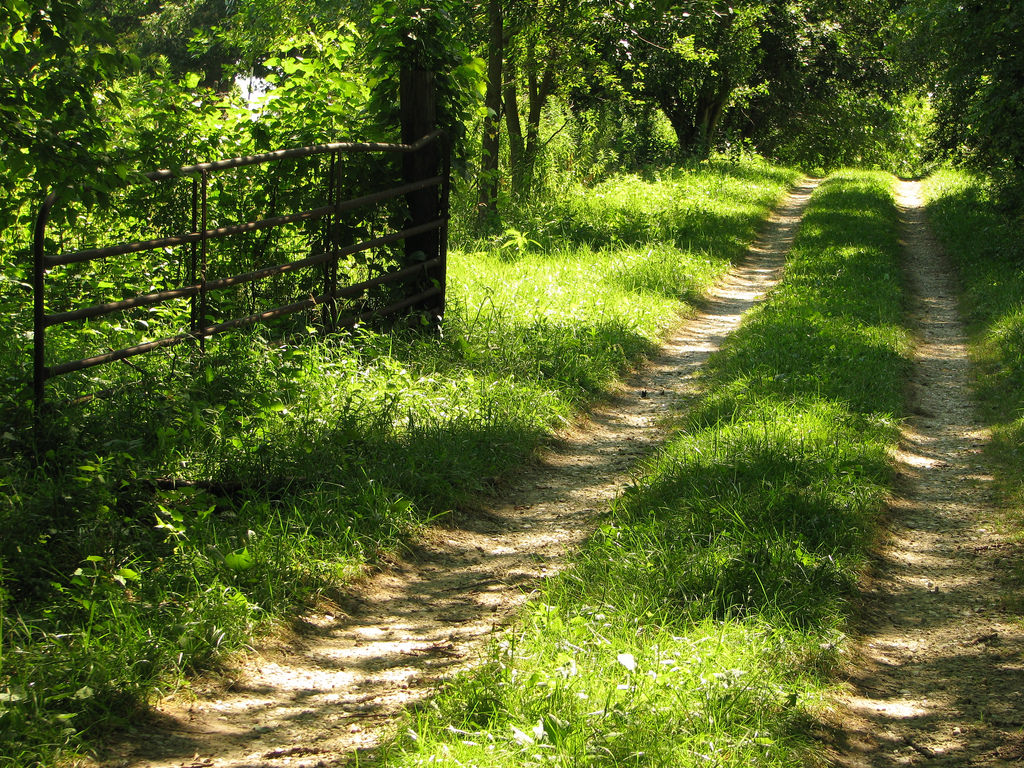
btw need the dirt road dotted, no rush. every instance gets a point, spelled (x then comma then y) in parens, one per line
(335, 684)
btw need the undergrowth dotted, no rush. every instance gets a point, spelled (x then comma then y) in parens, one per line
(701, 623)
(146, 534)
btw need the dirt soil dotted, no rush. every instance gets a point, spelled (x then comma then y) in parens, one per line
(937, 676)
(333, 685)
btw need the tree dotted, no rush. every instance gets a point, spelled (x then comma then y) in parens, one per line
(689, 60)
(217, 39)
(826, 92)
(533, 48)
(427, 36)
(54, 62)
(549, 49)
(487, 205)
(969, 55)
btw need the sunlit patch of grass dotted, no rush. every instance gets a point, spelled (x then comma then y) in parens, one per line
(701, 622)
(720, 201)
(603, 272)
(572, 305)
(593, 686)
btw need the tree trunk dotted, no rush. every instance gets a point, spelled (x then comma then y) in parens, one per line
(711, 126)
(512, 122)
(695, 132)
(686, 130)
(540, 88)
(487, 207)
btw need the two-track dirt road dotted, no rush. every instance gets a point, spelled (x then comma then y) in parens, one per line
(937, 667)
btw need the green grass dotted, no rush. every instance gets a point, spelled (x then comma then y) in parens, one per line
(316, 456)
(701, 623)
(987, 250)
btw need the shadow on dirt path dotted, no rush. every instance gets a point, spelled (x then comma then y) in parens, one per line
(337, 682)
(938, 672)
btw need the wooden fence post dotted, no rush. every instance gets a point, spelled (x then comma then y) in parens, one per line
(418, 108)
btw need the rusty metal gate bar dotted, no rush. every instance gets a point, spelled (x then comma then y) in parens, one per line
(204, 179)
(199, 285)
(193, 257)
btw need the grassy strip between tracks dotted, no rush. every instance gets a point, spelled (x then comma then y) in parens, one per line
(702, 622)
(313, 457)
(987, 250)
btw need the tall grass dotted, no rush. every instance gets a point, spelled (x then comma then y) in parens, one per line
(987, 250)
(700, 624)
(147, 534)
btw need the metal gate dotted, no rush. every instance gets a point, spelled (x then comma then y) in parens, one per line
(422, 191)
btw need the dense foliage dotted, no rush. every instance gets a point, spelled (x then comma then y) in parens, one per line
(691, 62)
(55, 63)
(969, 55)
(809, 81)
(827, 91)
(803, 80)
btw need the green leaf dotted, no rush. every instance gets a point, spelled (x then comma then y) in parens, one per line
(129, 574)
(239, 560)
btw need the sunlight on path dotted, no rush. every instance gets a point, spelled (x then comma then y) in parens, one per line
(338, 680)
(939, 671)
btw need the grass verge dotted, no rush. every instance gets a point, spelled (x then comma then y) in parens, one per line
(700, 624)
(161, 528)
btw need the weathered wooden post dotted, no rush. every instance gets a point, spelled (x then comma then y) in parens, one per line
(418, 108)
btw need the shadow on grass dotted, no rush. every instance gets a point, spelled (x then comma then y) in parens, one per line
(378, 455)
(763, 514)
(763, 503)
(119, 583)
